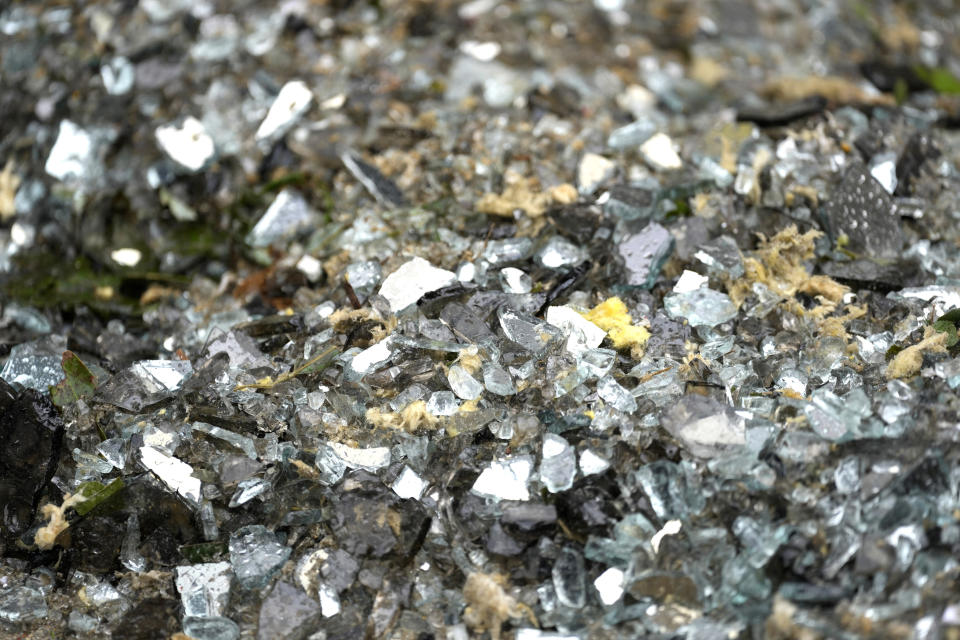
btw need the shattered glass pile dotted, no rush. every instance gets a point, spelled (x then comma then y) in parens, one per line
(501, 318)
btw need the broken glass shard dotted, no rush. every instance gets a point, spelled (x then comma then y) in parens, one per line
(73, 156)
(247, 490)
(463, 384)
(701, 307)
(210, 628)
(659, 152)
(609, 586)
(722, 257)
(384, 190)
(861, 211)
(644, 253)
(705, 427)
(243, 443)
(594, 170)
(204, 588)
(414, 278)
(286, 613)
(883, 168)
(559, 252)
(596, 363)
(558, 465)
(292, 102)
(372, 358)
(525, 330)
(615, 395)
(369, 459)
(505, 479)
(409, 484)
(833, 416)
(21, 604)
(497, 380)
(513, 280)
(631, 135)
(443, 403)
(332, 466)
(569, 579)
(364, 276)
(177, 475)
(287, 216)
(256, 555)
(591, 463)
(189, 144)
(117, 76)
(628, 202)
(581, 333)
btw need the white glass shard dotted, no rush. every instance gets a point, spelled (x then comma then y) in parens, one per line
(189, 145)
(172, 472)
(414, 278)
(505, 479)
(292, 101)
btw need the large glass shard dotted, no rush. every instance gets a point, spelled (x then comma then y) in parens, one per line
(74, 155)
(21, 604)
(32, 432)
(861, 210)
(286, 612)
(497, 380)
(722, 257)
(705, 427)
(379, 186)
(256, 555)
(668, 490)
(36, 364)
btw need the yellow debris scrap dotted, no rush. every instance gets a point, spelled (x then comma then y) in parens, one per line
(9, 182)
(409, 419)
(523, 193)
(907, 363)
(46, 536)
(489, 605)
(612, 316)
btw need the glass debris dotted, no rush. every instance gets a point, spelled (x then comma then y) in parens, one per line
(506, 479)
(292, 101)
(701, 307)
(411, 281)
(644, 254)
(288, 215)
(255, 555)
(411, 320)
(187, 144)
